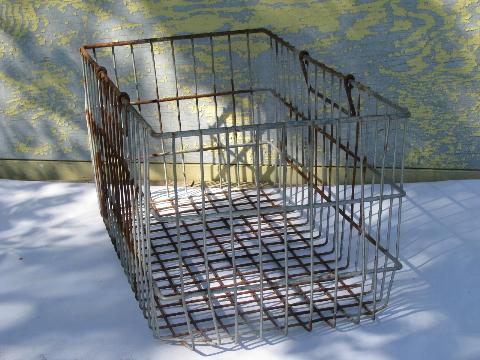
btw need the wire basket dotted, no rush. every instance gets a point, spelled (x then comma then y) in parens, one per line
(246, 187)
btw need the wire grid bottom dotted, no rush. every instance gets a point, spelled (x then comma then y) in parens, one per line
(251, 260)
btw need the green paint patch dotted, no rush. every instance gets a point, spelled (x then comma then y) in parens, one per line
(39, 150)
(401, 25)
(43, 99)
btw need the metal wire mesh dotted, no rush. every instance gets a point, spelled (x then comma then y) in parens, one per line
(246, 186)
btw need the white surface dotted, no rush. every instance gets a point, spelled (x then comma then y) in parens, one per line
(63, 294)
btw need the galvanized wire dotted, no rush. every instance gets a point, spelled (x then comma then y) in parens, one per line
(281, 183)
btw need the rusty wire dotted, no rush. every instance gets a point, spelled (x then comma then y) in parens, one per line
(280, 213)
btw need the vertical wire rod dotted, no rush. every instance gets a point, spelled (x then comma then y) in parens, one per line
(337, 212)
(159, 113)
(399, 211)
(379, 216)
(232, 238)
(179, 243)
(259, 224)
(215, 101)
(204, 236)
(285, 232)
(179, 118)
(114, 62)
(390, 210)
(234, 111)
(362, 222)
(132, 54)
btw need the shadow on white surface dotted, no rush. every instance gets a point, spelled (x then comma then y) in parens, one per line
(63, 294)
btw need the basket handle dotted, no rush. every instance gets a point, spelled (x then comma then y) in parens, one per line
(304, 63)
(348, 91)
(346, 81)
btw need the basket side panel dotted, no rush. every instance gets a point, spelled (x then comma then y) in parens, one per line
(119, 148)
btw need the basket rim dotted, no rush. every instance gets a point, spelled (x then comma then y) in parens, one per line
(404, 112)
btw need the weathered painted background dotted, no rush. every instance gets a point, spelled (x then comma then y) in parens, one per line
(422, 54)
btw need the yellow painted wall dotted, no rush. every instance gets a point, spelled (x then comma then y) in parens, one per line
(422, 54)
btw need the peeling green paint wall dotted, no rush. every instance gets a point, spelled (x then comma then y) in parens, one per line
(422, 54)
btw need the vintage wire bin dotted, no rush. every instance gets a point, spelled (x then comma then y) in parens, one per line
(245, 185)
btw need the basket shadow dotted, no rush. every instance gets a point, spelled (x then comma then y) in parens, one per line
(438, 227)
